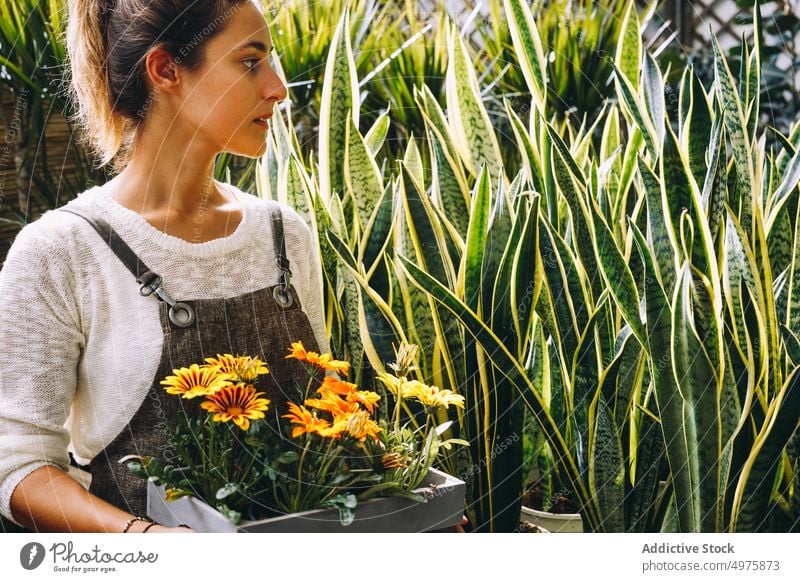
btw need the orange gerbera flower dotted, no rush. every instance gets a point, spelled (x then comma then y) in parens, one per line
(394, 460)
(323, 362)
(196, 381)
(365, 397)
(337, 386)
(246, 368)
(359, 426)
(298, 352)
(306, 421)
(334, 431)
(239, 403)
(332, 403)
(326, 362)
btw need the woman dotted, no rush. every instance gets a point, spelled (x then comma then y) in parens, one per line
(158, 268)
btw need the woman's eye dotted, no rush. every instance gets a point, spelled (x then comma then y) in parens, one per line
(254, 67)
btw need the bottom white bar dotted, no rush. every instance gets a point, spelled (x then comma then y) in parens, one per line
(387, 557)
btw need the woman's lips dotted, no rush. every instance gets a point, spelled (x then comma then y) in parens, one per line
(263, 120)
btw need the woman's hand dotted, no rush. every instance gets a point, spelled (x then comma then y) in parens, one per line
(49, 500)
(460, 528)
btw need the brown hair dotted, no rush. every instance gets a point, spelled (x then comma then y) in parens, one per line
(107, 42)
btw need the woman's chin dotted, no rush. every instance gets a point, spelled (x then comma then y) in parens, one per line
(249, 151)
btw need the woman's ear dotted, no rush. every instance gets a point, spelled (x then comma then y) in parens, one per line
(162, 69)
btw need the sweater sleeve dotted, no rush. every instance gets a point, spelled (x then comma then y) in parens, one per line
(41, 336)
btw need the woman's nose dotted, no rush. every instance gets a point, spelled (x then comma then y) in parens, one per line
(275, 88)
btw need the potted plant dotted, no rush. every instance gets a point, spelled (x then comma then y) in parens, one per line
(318, 466)
(556, 513)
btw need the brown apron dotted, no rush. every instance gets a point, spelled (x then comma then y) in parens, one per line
(263, 324)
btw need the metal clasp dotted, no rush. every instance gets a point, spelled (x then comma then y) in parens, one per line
(181, 314)
(150, 282)
(281, 292)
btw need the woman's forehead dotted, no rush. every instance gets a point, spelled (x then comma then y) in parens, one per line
(245, 29)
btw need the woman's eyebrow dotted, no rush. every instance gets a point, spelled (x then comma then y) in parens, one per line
(256, 44)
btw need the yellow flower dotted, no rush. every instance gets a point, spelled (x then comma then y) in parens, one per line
(405, 356)
(196, 381)
(306, 422)
(171, 494)
(392, 383)
(365, 397)
(246, 368)
(431, 396)
(239, 403)
(324, 361)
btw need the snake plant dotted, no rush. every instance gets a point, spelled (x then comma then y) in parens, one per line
(638, 297)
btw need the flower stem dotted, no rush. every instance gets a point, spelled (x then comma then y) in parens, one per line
(232, 466)
(300, 475)
(398, 404)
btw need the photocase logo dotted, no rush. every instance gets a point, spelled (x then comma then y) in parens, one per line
(31, 555)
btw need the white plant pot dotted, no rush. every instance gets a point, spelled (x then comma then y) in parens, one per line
(565, 522)
(443, 509)
(554, 522)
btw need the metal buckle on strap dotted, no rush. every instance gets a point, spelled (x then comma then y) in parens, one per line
(281, 292)
(181, 314)
(285, 278)
(283, 263)
(150, 282)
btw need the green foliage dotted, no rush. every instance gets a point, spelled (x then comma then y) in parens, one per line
(32, 62)
(613, 292)
(627, 277)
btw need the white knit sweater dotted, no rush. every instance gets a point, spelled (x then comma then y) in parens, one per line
(80, 345)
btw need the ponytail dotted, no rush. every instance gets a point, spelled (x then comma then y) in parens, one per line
(103, 131)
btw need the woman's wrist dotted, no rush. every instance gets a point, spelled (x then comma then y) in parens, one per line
(157, 528)
(131, 525)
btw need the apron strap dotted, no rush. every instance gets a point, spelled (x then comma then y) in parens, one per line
(134, 264)
(180, 314)
(281, 293)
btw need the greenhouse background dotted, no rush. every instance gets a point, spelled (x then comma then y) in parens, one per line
(42, 168)
(584, 213)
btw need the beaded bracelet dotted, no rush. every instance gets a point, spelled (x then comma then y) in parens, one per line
(129, 523)
(148, 526)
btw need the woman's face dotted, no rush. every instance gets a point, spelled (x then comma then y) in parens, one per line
(237, 84)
